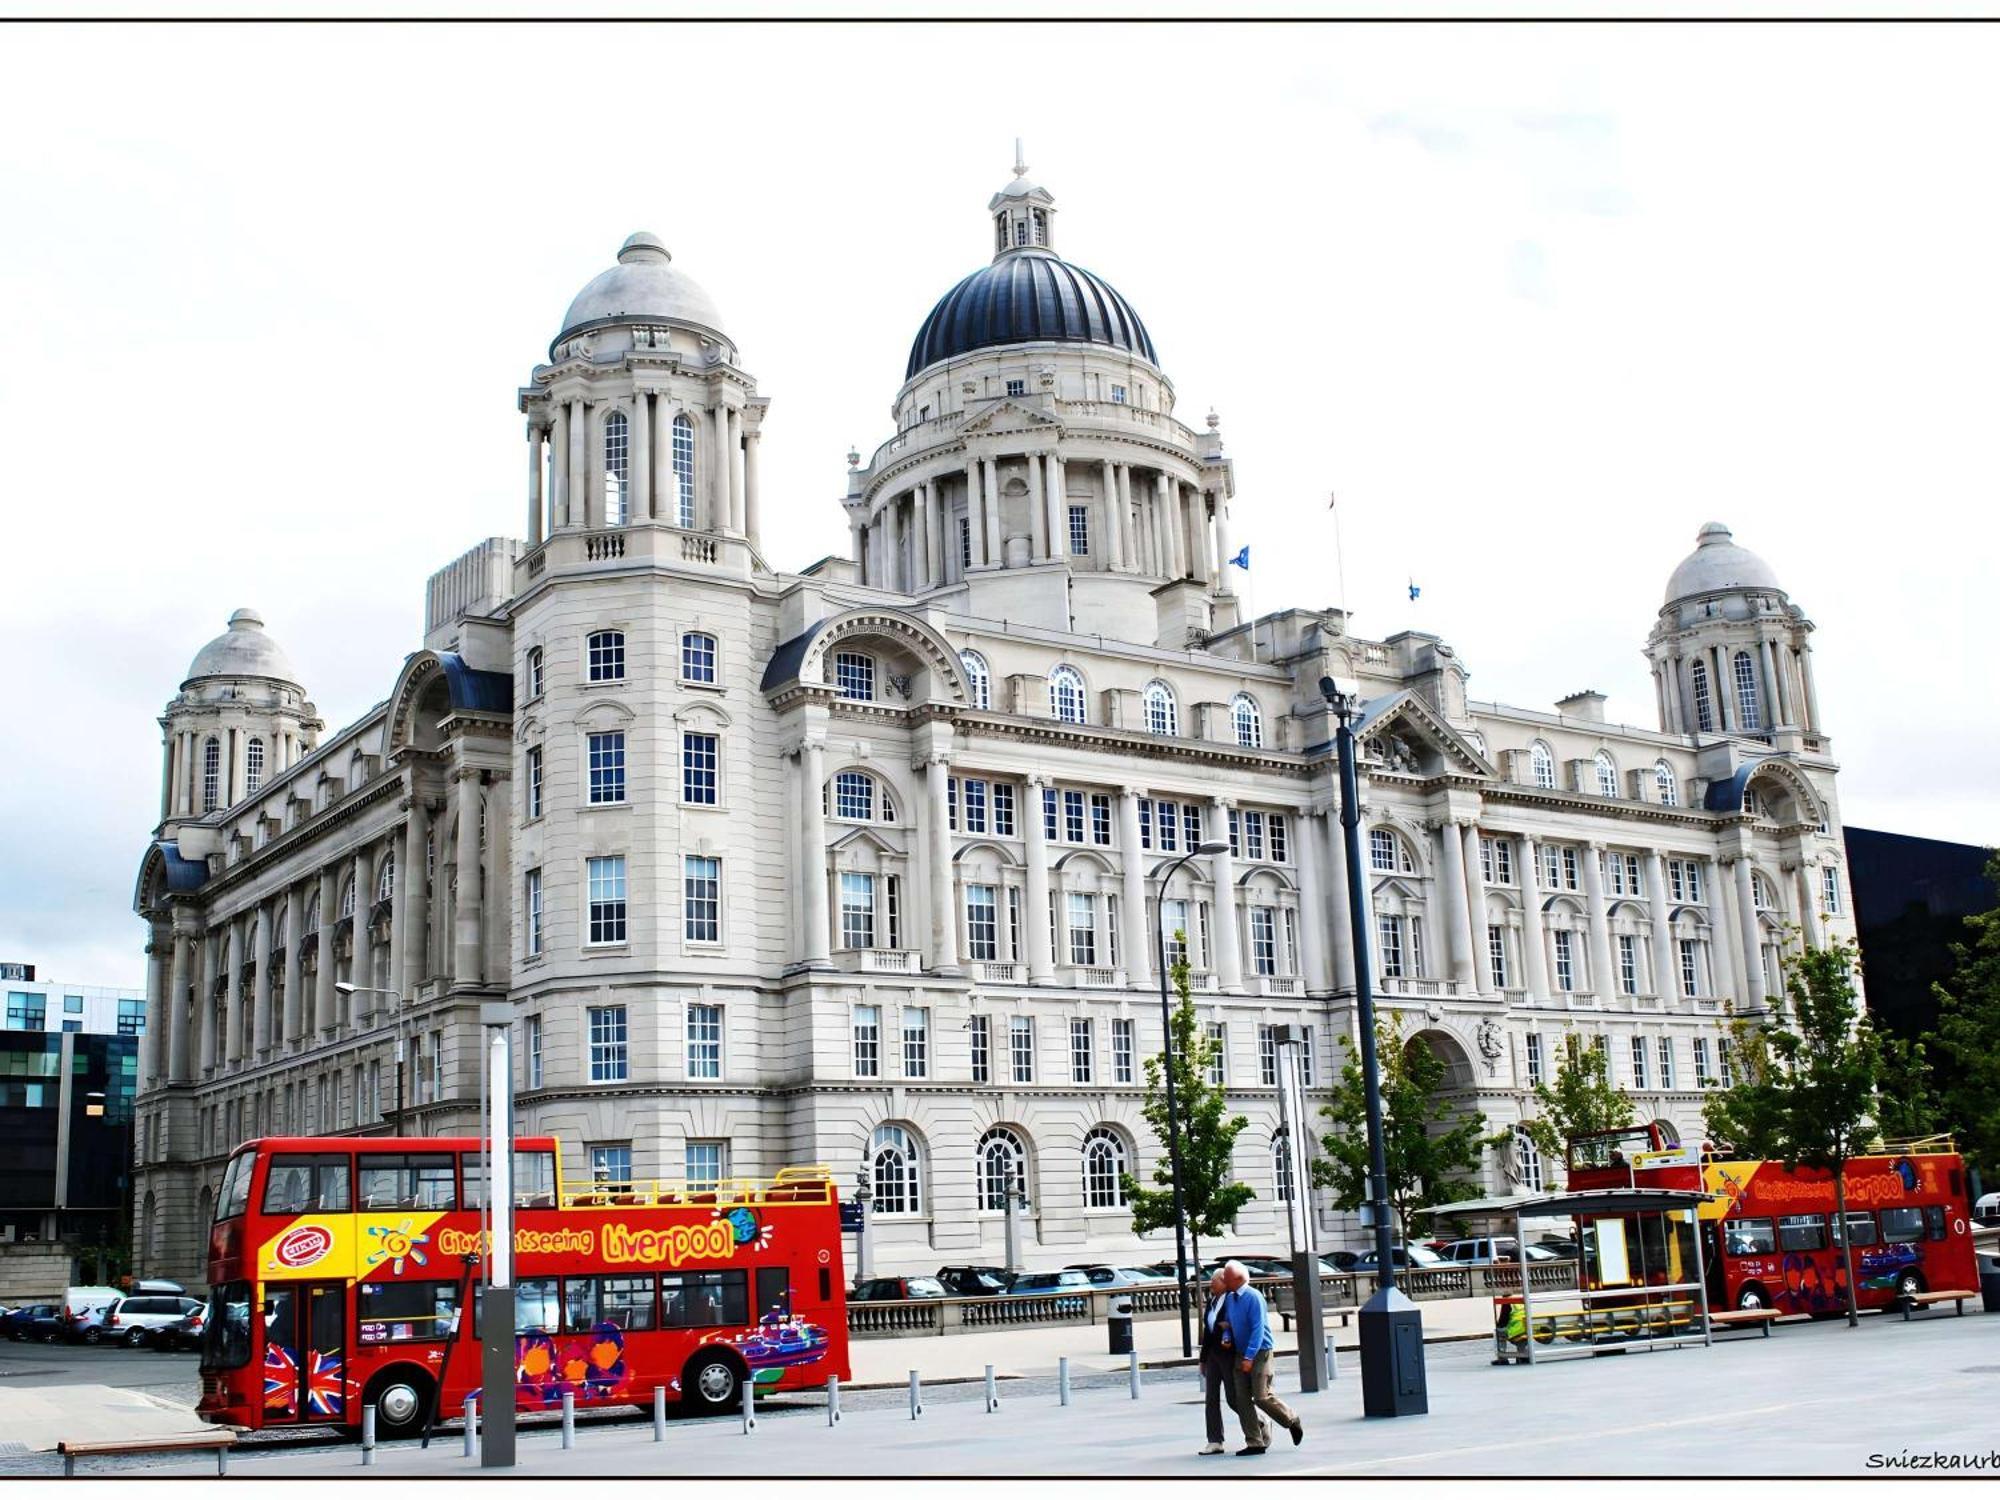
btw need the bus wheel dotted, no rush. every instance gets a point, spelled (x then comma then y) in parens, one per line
(401, 1398)
(1752, 1296)
(712, 1383)
(1908, 1285)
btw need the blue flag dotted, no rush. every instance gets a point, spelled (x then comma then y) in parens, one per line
(1414, 589)
(1242, 559)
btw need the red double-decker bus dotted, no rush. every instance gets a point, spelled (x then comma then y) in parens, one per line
(339, 1269)
(1771, 1236)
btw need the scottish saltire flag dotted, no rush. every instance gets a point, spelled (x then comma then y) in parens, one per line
(1242, 559)
(1414, 589)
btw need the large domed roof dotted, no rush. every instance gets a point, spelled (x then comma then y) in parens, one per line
(1716, 564)
(1027, 296)
(642, 288)
(243, 650)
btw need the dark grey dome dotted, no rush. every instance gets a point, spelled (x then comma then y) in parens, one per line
(1025, 297)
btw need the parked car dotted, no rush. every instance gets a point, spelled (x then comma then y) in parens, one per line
(134, 1320)
(83, 1311)
(1488, 1250)
(184, 1333)
(17, 1323)
(1114, 1276)
(1339, 1261)
(1987, 1209)
(1561, 1249)
(47, 1326)
(974, 1281)
(1042, 1283)
(154, 1287)
(895, 1288)
(1408, 1258)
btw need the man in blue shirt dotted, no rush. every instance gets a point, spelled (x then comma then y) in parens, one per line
(1252, 1344)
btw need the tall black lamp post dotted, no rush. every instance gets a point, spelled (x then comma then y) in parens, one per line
(1392, 1331)
(341, 986)
(1209, 846)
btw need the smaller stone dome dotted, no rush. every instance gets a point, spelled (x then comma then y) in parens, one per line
(642, 288)
(243, 650)
(1718, 564)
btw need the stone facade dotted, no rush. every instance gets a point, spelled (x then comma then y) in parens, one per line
(859, 865)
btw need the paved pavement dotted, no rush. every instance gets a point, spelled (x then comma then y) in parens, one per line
(1813, 1399)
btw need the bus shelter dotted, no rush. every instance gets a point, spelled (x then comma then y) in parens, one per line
(1641, 1278)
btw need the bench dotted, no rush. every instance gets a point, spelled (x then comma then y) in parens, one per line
(1340, 1317)
(1745, 1317)
(184, 1442)
(1916, 1300)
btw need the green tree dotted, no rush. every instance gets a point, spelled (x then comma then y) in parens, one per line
(1967, 1039)
(1813, 1096)
(1907, 1104)
(1746, 1117)
(1426, 1155)
(1581, 1098)
(1211, 1197)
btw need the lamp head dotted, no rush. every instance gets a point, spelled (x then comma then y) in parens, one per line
(342, 987)
(1212, 846)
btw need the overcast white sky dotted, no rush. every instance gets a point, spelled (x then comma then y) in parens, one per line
(1536, 302)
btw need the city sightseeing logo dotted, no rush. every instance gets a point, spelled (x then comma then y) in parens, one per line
(397, 1245)
(298, 1248)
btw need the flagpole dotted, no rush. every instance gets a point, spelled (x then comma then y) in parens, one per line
(1339, 553)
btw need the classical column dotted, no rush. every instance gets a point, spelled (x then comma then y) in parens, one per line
(1534, 941)
(559, 461)
(1196, 507)
(154, 1053)
(1475, 911)
(1663, 927)
(1809, 924)
(1114, 519)
(1725, 689)
(1600, 923)
(732, 458)
(1035, 920)
(1722, 942)
(1164, 527)
(325, 1012)
(234, 1001)
(178, 1060)
(239, 766)
(577, 472)
(718, 468)
(1228, 951)
(260, 993)
(1755, 983)
(1333, 841)
(1041, 536)
(752, 495)
(1138, 942)
(814, 943)
(1312, 945)
(468, 966)
(975, 517)
(1451, 886)
(995, 543)
(204, 998)
(291, 1027)
(1058, 498)
(920, 541)
(931, 498)
(534, 483)
(639, 473)
(415, 888)
(1136, 554)
(857, 539)
(944, 926)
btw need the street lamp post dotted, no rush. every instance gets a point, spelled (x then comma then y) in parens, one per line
(1392, 1336)
(343, 987)
(1308, 1305)
(1209, 846)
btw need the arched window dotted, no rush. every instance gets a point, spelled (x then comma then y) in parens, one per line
(1249, 721)
(211, 773)
(253, 766)
(1607, 775)
(684, 472)
(312, 913)
(604, 656)
(1542, 762)
(1389, 854)
(347, 898)
(897, 1171)
(385, 883)
(1163, 715)
(1704, 710)
(1527, 1161)
(1668, 785)
(698, 656)
(1003, 1164)
(1761, 894)
(1746, 692)
(617, 468)
(1066, 695)
(858, 798)
(978, 680)
(854, 675)
(1281, 1166)
(1103, 1169)
(534, 673)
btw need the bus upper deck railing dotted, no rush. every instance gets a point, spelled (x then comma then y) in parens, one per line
(791, 1185)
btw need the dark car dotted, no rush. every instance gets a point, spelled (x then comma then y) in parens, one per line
(1561, 1249)
(1408, 1258)
(1341, 1260)
(17, 1323)
(974, 1281)
(183, 1333)
(895, 1288)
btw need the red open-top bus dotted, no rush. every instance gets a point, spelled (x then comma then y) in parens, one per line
(1771, 1236)
(338, 1266)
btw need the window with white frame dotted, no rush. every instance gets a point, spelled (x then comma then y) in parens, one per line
(1162, 712)
(1725, 1056)
(1704, 710)
(1281, 1167)
(701, 879)
(1628, 964)
(1746, 692)
(1082, 1050)
(607, 1039)
(1639, 1067)
(701, 757)
(1121, 1049)
(1666, 785)
(704, 1041)
(1017, 387)
(532, 780)
(979, 1032)
(1103, 1169)
(857, 909)
(1066, 695)
(1021, 1048)
(1082, 929)
(1702, 1076)
(1496, 859)
(1527, 1160)
(617, 468)
(1267, 1056)
(683, 458)
(611, 1166)
(1607, 775)
(1079, 530)
(1174, 923)
(916, 1041)
(533, 674)
(1100, 818)
(1003, 1168)
(1389, 938)
(1829, 890)
(211, 773)
(854, 796)
(697, 656)
(897, 1172)
(982, 924)
(1665, 1050)
(1690, 967)
(605, 877)
(867, 1041)
(253, 766)
(1565, 960)
(607, 767)
(385, 878)
(1684, 879)
(704, 1164)
(1621, 873)
(1542, 765)
(1248, 721)
(1496, 954)
(978, 679)
(1218, 1061)
(854, 676)
(964, 544)
(1532, 1043)
(532, 902)
(604, 656)
(531, 1045)
(1264, 940)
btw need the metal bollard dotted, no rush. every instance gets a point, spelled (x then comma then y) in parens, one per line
(471, 1425)
(833, 1400)
(569, 1419)
(1134, 1358)
(750, 1404)
(992, 1393)
(1062, 1381)
(659, 1414)
(1332, 1363)
(368, 1434)
(916, 1396)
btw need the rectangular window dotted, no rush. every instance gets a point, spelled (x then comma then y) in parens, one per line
(704, 1299)
(1496, 953)
(964, 544)
(1569, 869)
(703, 1166)
(1829, 889)
(916, 1041)
(854, 676)
(1702, 1077)
(699, 759)
(533, 903)
(606, 877)
(698, 657)
(867, 1041)
(701, 878)
(1017, 387)
(704, 1041)
(1218, 1063)
(1073, 817)
(1003, 809)
(981, 924)
(1079, 530)
(1639, 1062)
(857, 910)
(1082, 1055)
(1264, 940)
(1253, 835)
(403, 1312)
(1267, 1056)
(533, 780)
(1014, 919)
(1121, 1049)
(608, 1060)
(611, 1166)
(1280, 840)
(975, 807)
(1628, 964)
(605, 656)
(1565, 961)
(1168, 821)
(1725, 1056)
(980, 1029)
(1666, 1057)
(1235, 833)
(416, 1182)
(892, 893)
(1389, 937)
(532, 1028)
(1190, 824)
(1118, 395)
(1145, 822)
(1049, 804)
(1749, 1237)
(1690, 968)
(1174, 922)
(131, 1017)
(1533, 1042)
(1021, 1048)
(1100, 818)
(1082, 929)
(1803, 1231)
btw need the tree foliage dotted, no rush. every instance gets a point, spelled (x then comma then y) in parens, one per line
(1967, 1040)
(1579, 1099)
(1426, 1154)
(1211, 1196)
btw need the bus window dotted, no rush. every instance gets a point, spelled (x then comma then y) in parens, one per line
(398, 1312)
(1902, 1226)
(1860, 1227)
(535, 1309)
(225, 1337)
(407, 1182)
(579, 1304)
(1934, 1221)
(1749, 1237)
(534, 1179)
(774, 1290)
(626, 1302)
(1802, 1232)
(306, 1184)
(234, 1198)
(703, 1299)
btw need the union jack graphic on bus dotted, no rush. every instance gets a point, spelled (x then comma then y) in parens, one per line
(281, 1381)
(326, 1387)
